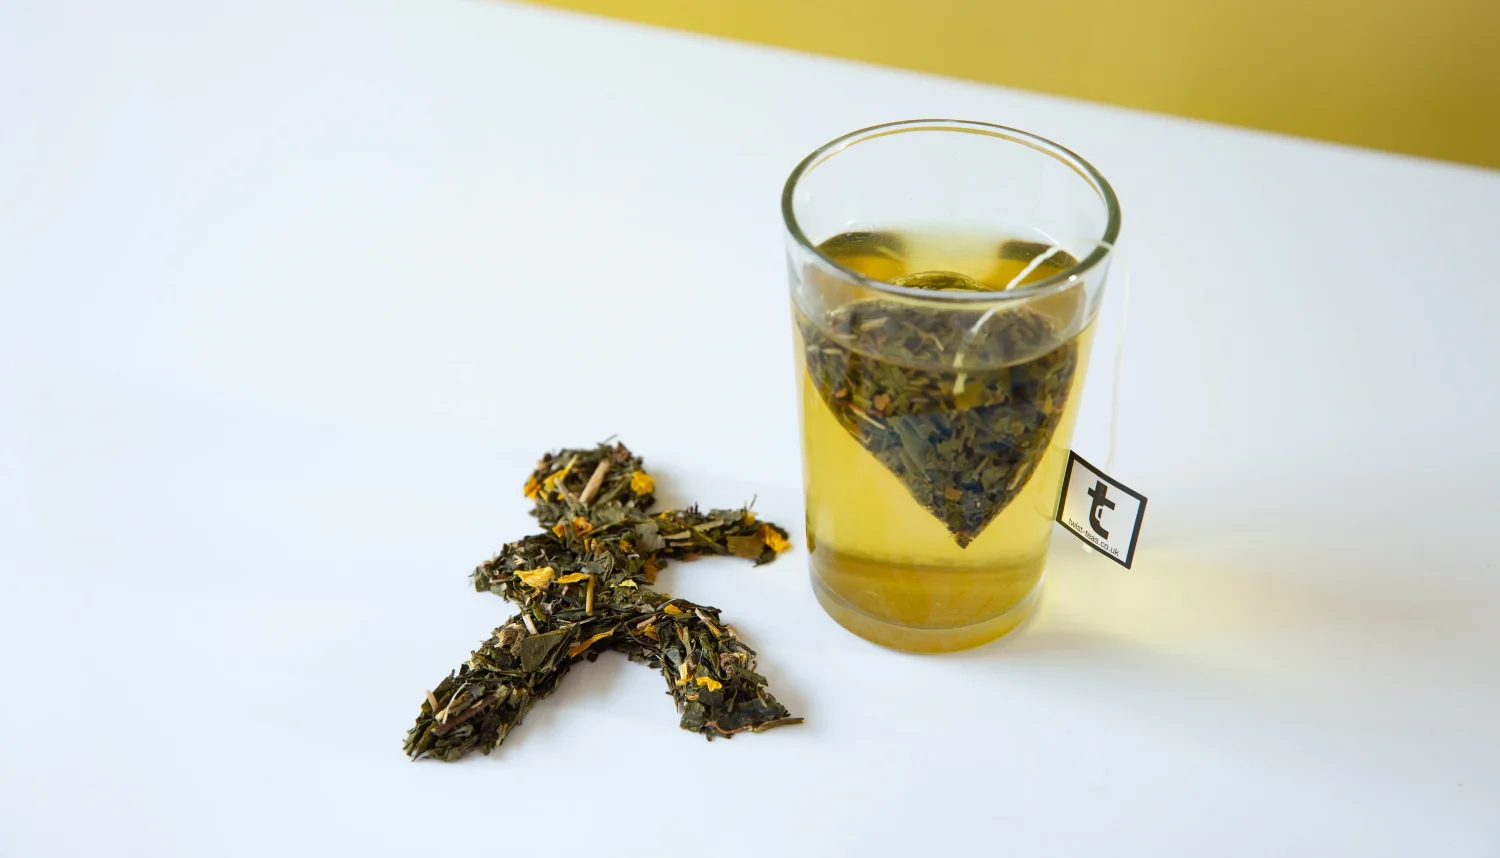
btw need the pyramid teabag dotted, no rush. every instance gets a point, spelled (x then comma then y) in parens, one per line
(960, 405)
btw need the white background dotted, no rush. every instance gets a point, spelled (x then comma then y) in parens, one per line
(293, 293)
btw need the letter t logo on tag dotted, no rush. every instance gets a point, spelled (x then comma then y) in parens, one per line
(1093, 506)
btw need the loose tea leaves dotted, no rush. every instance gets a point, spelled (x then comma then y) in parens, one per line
(600, 483)
(584, 586)
(963, 440)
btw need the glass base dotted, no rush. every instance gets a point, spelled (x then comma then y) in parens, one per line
(927, 640)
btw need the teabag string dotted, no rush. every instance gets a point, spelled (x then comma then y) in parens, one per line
(1119, 357)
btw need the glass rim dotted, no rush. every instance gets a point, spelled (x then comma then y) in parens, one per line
(1103, 247)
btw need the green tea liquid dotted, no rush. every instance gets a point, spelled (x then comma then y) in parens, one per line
(884, 565)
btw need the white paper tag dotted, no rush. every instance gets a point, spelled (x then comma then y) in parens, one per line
(1100, 511)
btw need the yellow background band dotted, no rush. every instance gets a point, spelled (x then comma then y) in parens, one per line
(1417, 76)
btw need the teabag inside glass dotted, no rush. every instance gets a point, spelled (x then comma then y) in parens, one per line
(960, 405)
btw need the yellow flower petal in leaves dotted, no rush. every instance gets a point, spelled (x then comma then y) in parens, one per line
(672, 609)
(533, 486)
(776, 541)
(710, 683)
(642, 483)
(550, 483)
(579, 647)
(538, 578)
(573, 577)
(580, 527)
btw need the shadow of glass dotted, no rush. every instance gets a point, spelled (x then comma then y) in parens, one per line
(1329, 653)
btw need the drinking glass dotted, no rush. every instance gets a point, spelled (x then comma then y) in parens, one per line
(945, 279)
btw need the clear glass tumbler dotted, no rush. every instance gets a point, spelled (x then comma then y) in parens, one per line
(945, 279)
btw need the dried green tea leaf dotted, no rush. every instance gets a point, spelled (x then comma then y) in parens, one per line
(537, 651)
(749, 547)
(477, 705)
(709, 671)
(601, 484)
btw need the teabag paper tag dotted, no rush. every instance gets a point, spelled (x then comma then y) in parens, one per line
(1100, 510)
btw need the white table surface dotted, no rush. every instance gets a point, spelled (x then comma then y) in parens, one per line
(283, 286)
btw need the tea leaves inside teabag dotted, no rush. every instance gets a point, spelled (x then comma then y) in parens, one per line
(964, 439)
